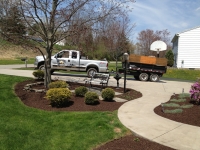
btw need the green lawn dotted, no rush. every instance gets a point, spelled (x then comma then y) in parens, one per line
(182, 74)
(16, 61)
(24, 128)
(112, 65)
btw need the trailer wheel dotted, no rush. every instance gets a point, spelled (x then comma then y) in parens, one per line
(143, 76)
(154, 77)
(91, 71)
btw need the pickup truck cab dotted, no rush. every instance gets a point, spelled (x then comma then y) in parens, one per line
(71, 60)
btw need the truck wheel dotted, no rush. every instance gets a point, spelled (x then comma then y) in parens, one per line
(136, 77)
(91, 71)
(143, 76)
(52, 71)
(41, 67)
(154, 78)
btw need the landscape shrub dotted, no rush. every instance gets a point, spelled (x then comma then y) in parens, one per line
(184, 95)
(170, 58)
(91, 98)
(171, 105)
(81, 91)
(108, 94)
(195, 92)
(178, 100)
(38, 74)
(187, 106)
(58, 84)
(173, 111)
(58, 97)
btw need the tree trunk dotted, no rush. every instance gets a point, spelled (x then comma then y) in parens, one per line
(47, 71)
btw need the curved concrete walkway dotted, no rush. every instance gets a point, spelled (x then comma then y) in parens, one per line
(138, 115)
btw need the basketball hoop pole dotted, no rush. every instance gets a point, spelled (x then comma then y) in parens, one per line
(158, 53)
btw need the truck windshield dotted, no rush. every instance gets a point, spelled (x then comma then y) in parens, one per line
(65, 54)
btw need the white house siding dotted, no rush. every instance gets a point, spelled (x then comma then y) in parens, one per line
(189, 49)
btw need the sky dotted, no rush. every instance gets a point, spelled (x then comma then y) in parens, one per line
(174, 15)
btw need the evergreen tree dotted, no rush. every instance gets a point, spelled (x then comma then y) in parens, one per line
(170, 58)
(12, 25)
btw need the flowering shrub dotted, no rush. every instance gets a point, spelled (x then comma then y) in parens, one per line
(195, 92)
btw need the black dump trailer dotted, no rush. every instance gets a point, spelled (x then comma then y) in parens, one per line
(145, 68)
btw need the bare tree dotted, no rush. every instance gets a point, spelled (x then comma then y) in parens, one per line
(164, 36)
(55, 17)
(5, 5)
(115, 35)
(147, 37)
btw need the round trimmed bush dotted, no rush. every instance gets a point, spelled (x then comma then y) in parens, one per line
(108, 94)
(38, 74)
(81, 91)
(58, 84)
(58, 97)
(91, 98)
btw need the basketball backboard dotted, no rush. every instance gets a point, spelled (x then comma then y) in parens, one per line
(158, 46)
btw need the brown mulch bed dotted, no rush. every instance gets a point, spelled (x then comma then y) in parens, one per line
(131, 142)
(37, 100)
(188, 116)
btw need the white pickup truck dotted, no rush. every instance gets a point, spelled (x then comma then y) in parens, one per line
(71, 60)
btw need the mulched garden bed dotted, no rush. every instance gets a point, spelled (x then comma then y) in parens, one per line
(129, 142)
(38, 100)
(188, 116)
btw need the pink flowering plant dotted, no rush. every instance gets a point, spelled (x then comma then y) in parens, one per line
(195, 92)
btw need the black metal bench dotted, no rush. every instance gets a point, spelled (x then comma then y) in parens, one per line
(98, 78)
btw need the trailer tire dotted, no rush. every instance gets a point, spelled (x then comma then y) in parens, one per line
(143, 77)
(154, 77)
(91, 71)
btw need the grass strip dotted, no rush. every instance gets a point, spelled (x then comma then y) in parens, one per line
(16, 61)
(182, 74)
